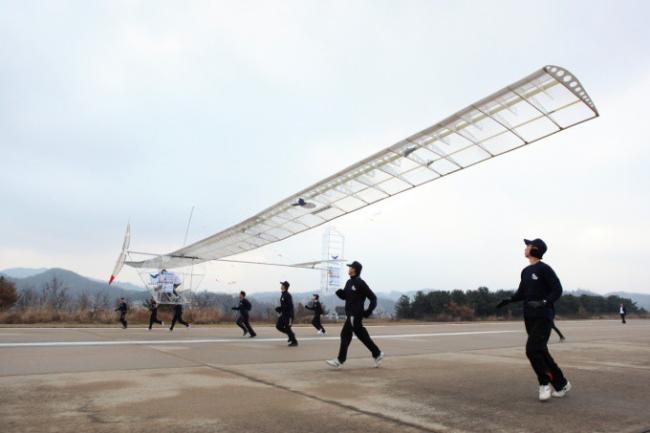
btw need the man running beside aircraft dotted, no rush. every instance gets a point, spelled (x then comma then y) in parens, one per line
(153, 317)
(354, 294)
(286, 314)
(178, 317)
(539, 289)
(244, 308)
(122, 308)
(318, 311)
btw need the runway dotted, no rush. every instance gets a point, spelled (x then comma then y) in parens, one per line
(471, 377)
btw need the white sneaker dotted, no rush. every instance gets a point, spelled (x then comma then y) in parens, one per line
(544, 392)
(162, 323)
(378, 359)
(319, 332)
(334, 363)
(563, 391)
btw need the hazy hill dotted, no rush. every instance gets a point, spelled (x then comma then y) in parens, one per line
(76, 284)
(641, 299)
(22, 272)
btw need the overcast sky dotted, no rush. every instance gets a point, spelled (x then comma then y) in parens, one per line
(136, 111)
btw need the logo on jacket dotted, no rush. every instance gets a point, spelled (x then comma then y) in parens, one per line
(534, 276)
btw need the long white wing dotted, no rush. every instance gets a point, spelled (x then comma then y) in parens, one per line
(541, 104)
(122, 257)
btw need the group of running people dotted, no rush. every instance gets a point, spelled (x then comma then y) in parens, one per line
(153, 316)
(538, 289)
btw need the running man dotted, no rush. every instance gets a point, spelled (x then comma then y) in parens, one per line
(354, 294)
(178, 317)
(242, 321)
(286, 314)
(153, 318)
(318, 311)
(539, 289)
(622, 311)
(122, 308)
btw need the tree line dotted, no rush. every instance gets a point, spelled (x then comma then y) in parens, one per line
(54, 303)
(480, 304)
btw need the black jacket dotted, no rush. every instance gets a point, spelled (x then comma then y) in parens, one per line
(153, 307)
(244, 307)
(316, 308)
(121, 308)
(538, 283)
(286, 305)
(354, 294)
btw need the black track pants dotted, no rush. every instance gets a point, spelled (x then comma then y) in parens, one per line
(316, 322)
(284, 325)
(154, 319)
(354, 325)
(245, 325)
(547, 371)
(178, 317)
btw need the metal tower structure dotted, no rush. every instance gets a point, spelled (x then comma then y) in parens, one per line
(332, 249)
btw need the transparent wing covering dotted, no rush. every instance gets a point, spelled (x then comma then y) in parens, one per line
(541, 104)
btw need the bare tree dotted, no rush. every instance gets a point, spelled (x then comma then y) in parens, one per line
(8, 296)
(55, 295)
(84, 302)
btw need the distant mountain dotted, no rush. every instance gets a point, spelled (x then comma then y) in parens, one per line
(22, 272)
(77, 284)
(123, 284)
(641, 299)
(580, 292)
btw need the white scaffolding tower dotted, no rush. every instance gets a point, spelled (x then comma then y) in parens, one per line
(332, 249)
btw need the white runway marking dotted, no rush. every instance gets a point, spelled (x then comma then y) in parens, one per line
(232, 340)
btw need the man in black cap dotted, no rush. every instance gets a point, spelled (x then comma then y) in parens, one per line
(153, 317)
(354, 294)
(286, 314)
(317, 308)
(242, 321)
(539, 289)
(122, 308)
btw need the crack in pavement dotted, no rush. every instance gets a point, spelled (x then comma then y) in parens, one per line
(359, 411)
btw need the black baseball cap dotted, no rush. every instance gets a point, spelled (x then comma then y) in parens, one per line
(538, 247)
(285, 284)
(356, 266)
